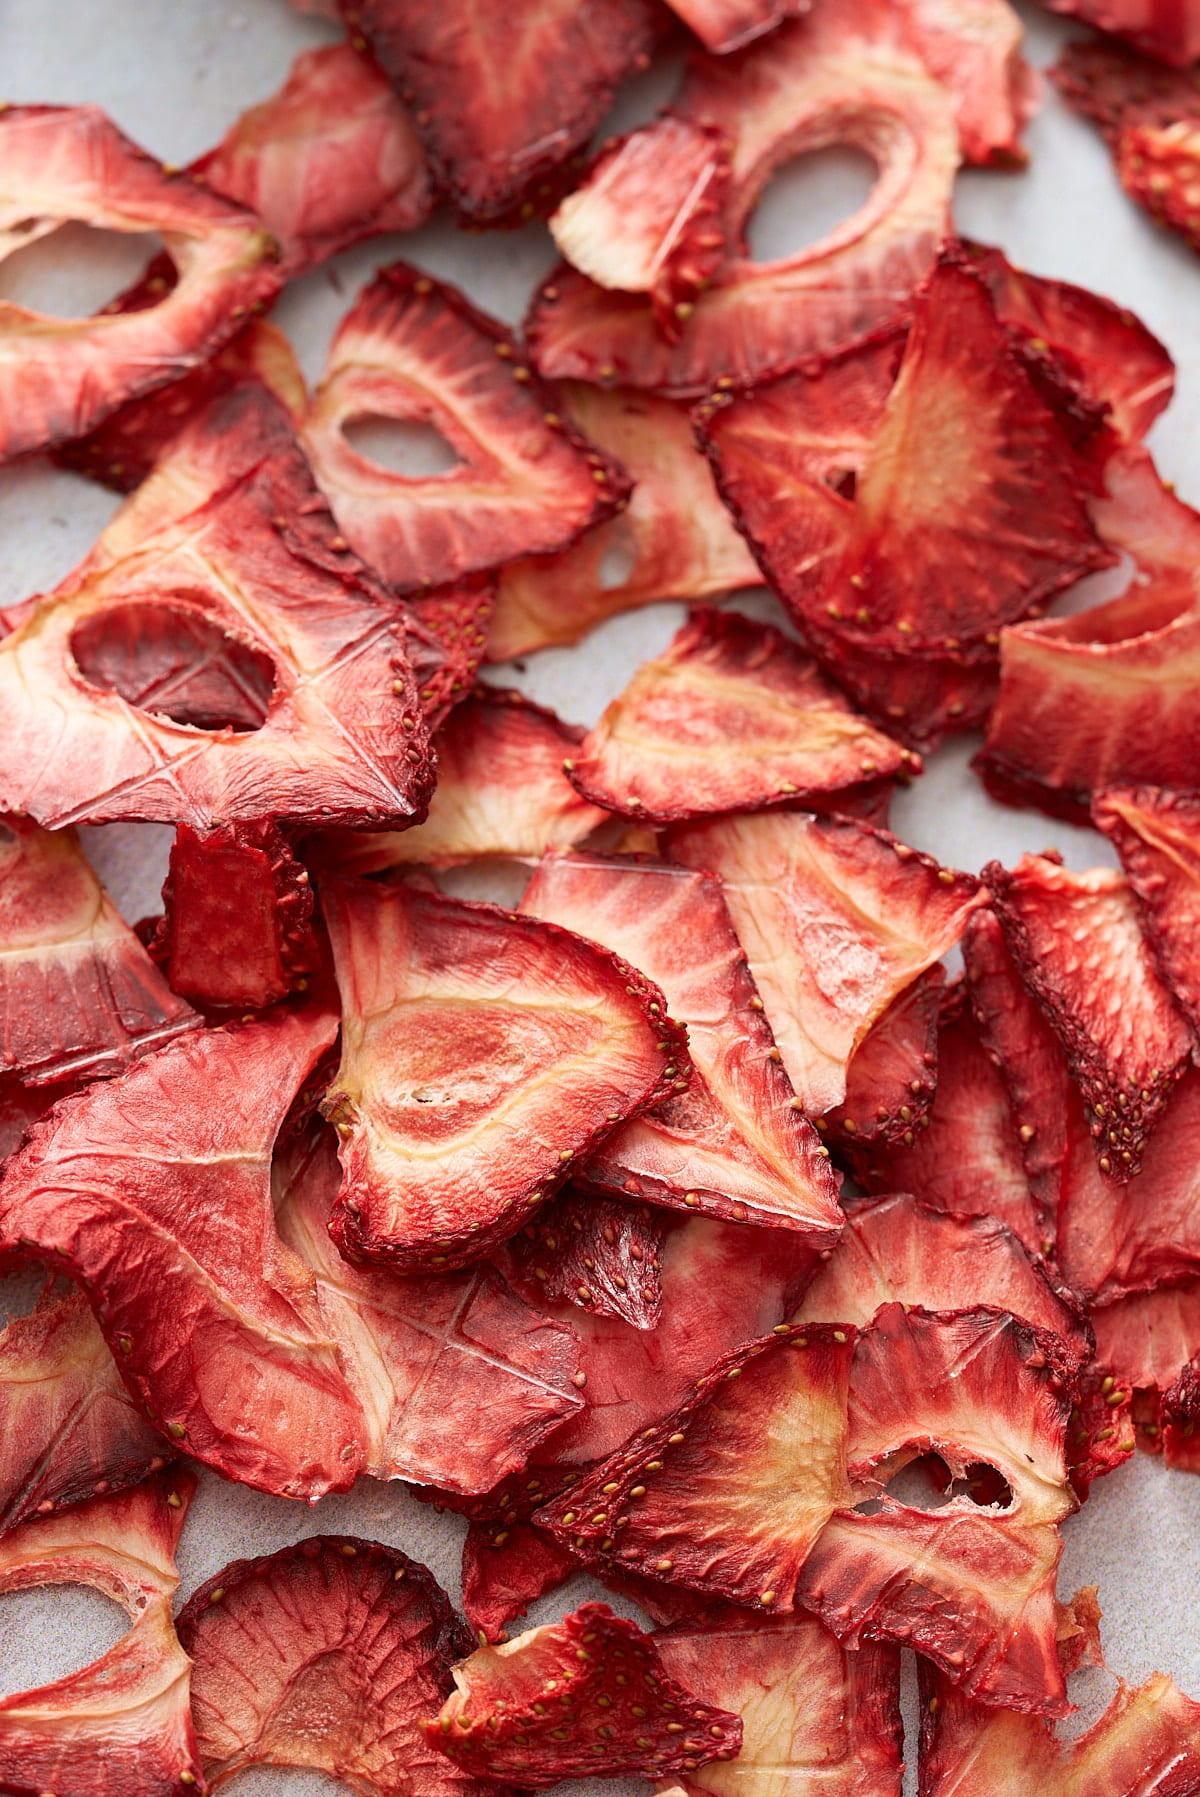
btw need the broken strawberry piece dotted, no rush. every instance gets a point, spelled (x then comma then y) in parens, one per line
(1142, 1343)
(597, 1252)
(588, 1694)
(505, 1568)
(836, 919)
(892, 1074)
(975, 51)
(1170, 33)
(1179, 1416)
(733, 1142)
(730, 717)
(325, 1655)
(725, 25)
(1157, 835)
(483, 1055)
(123, 1722)
(1076, 942)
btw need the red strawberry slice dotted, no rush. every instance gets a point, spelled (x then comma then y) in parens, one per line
(725, 25)
(504, 95)
(595, 1252)
(733, 1143)
(447, 633)
(837, 919)
(892, 1074)
(975, 51)
(730, 717)
(120, 1726)
(483, 1056)
(526, 482)
(1076, 941)
(1157, 835)
(1168, 32)
(1142, 1343)
(325, 1655)
(588, 1694)
(675, 540)
(506, 1567)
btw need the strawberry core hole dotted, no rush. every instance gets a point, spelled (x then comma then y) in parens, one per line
(52, 1631)
(176, 663)
(75, 269)
(402, 446)
(806, 199)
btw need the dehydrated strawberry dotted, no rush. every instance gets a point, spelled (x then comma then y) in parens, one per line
(725, 25)
(733, 1143)
(892, 1074)
(1142, 1342)
(975, 51)
(61, 377)
(588, 1694)
(483, 1056)
(836, 919)
(121, 1726)
(1170, 32)
(505, 1567)
(730, 717)
(1076, 942)
(446, 637)
(918, 699)
(597, 1252)
(1157, 835)
(326, 1654)
(1100, 1433)
(1180, 1413)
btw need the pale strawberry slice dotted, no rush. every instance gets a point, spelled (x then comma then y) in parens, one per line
(974, 48)
(483, 1056)
(526, 482)
(1157, 835)
(505, 94)
(725, 25)
(815, 1719)
(675, 540)
(892, 1074)
(501, 792)
(60, 377)
(153, 1191)
(220, 656)
(446, 638)
(505, 1568)
(1076, 942)
(730, 717)
(325, 1655)
(969, 1585)
(588, 1694)
(122, 1724)
(1170, 33)
(597, 1252)
(733, 1143)
(836, 919)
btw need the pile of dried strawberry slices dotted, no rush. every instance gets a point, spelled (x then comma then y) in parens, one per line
(751, 1221)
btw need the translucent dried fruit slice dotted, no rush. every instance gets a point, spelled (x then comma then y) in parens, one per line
(969, 1585)
(974, 49)
(505, 95)
(525, 483)
(1157, 835)
(325, 1655)
(732, 1143)
(597, 1252)
(892, 1074)
(122, 1724)
(668, 1505)
(1076, 941)
(588, 1694)
(501, 791)
(675, 540)
(1170, 33)
(218, 657)
(725, 25)
(730, 717)
(815, 1719)
(507, 1567)
(483, 1055)
(60, 377)
(836, 919)
(153, 1191)
(79, 996)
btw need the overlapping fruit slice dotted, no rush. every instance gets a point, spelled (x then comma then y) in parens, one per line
(588, 1694)
(836, 919)
(975, 51)
(326, 1655)
(596, 1252)
(1144, 1342)
(483, 1056)
(219, 656)
(1157, 835)
(1170, 33)
(121, 1724)
(60, 377)
(734, 1143)
(725, 25)
(892, 1074)
(447, 633)
(505, 1567)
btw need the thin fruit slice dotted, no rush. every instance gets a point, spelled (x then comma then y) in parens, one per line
(122, 1724)
(451, 626)
(483, 1055)
(1142, 1343)
(836, 919)
(597, 1252)
(1157, 835)
(60, 377)
(1170, 33)
(730, 717)
(974, 48)
(526, 482)
(892, 1074)
(733, 1143)
(725, 25)
(1076, 941)
(153, 1191)
(505, 1568)
(325, 1655)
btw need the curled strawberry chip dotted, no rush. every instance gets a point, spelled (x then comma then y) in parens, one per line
(325, 1655)
(597, 1252)
(588, 1694)
(506, 1566)
(1157, 835)
(892, 1074)
(1171, 34)
(483, 1056)
(120, 1726)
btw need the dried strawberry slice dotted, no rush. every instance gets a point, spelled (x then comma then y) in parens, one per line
(1157, 835)
(725, 25)
(836, 919)
(447, 633)
(1142, 1343)
(505, 1569)
(733, 1143)
(1170, 33)
(325, 1655)
(527, 483)
(1180, 1415)
(121, 1724)
(483, 1055)
(61, 377)
(1076, 942)
(675, 540)
(587, 1694)
(975, 51)
(597, 1252)
(730, 717)
(153, 1191)
(892, 1074)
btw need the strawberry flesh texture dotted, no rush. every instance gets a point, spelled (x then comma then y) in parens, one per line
(1143, 1342)
(447, 633)
(974, 49)
(596, 1252)
(1157, 835)
(325, 1655)
(892, 1074)
(1169, 33)
(725, 25)
(505, 1568)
